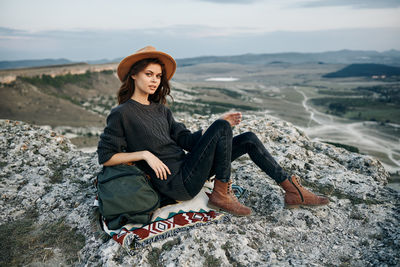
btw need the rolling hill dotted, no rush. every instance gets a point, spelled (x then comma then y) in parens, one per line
(391, 57)
(33, 63)
(364, 70)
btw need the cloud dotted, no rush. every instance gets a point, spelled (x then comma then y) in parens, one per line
(9, 31)
(180, 42)
(243, 2)
(365, 4)
(353, 3)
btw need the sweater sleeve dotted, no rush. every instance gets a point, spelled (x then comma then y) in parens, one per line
(112, 140)
(181, 135)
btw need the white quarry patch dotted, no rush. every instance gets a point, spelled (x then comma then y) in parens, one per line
(222, 79)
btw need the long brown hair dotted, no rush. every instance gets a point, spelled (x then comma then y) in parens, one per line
(127, 88)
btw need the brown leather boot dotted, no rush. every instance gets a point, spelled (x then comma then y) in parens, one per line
(296, 195)
(222, 197)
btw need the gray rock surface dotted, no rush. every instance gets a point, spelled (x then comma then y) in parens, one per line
(46, 183)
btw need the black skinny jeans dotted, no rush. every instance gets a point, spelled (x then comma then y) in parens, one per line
(215, 151)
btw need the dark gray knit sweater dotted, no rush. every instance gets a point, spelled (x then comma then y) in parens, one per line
(132, 127)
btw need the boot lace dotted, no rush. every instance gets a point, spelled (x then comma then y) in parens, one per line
(229, 190)
(297, 179)
(231, 193)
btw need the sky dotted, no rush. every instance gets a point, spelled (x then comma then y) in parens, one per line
(104, 29)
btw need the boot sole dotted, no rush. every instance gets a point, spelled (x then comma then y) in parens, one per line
(221, 209)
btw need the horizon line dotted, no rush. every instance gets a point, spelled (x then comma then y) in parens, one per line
(201, 56)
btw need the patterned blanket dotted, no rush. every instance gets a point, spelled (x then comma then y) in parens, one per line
(170, 220)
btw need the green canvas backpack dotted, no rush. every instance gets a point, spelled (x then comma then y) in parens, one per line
(125, 195)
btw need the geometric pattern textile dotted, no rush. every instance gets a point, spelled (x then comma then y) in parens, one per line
(139, 237)
(171, 220)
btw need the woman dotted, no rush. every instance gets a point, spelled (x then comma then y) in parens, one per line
(141, 129)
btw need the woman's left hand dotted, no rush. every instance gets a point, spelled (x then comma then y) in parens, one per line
(234, 118)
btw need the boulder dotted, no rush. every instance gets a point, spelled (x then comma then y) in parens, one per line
(47, 192)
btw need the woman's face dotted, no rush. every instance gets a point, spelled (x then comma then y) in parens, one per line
(148, 80)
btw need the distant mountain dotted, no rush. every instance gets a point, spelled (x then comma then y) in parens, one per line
(364, 70)
(104, 61)
(391, 57)
(33, 63)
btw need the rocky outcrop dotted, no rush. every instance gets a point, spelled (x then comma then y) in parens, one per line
(47, 195)
(10, 75)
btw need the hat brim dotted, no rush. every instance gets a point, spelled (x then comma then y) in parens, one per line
(126, 63)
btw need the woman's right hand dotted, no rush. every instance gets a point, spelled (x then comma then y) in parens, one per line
(161, 170)
(234, 118)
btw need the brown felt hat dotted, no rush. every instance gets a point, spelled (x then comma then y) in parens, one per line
(146, 52)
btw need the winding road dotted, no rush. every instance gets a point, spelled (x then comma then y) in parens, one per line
(370, 137)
